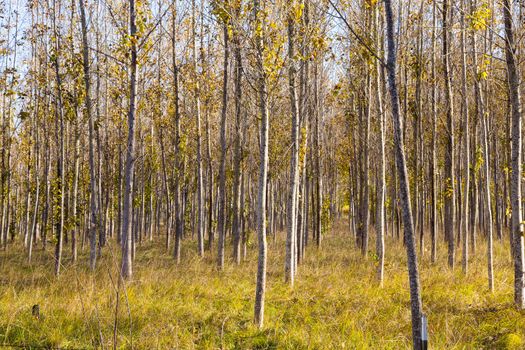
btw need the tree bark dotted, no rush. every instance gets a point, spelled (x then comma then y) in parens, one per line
(59, 130)
(93, 219)
(415, 293)
(222, 170)
(380, 240)
(450, 197)
(126, 232)
(291, 210)
(238, 157)
(466, 147)
(433, 175)
(263, 170)
(516, 157)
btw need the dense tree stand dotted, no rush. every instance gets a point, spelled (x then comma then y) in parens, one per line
(164, 150)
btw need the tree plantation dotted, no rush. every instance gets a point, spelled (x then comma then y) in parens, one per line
(251, 174)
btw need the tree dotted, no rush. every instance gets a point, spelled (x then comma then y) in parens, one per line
(466, 145)
(59, 132)
(413, 273)
(126, 232)
(450, 197)
(515, 188)
(200, 186)
(434, 211)
(93, 223)
(294, 15)
(380, 240)
(179, 217)
(263, 166)
(239, 137)
(222, 171)
(482, 115)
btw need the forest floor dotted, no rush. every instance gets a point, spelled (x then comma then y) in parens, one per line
(336, 302)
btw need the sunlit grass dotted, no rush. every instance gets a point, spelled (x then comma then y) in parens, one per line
(336, 302)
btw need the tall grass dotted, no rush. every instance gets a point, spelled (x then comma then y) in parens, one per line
(335, 304)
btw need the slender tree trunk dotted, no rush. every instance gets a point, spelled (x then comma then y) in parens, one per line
(127, 218)
(381, 189)
(466, 148)
(76, 174)
(317, 159)
(291, 211)
(178, 212)
(450, 198)
(28, 200)
(210, 184)
(516, 157)
(263, 170)
(222, 171)
(364, 200)
(480, 108)
(434, 212)
(200, 189)
(166, 188)
(238, 157)
(59, 130)
(415, 293)
(93, 223)
(34, 224)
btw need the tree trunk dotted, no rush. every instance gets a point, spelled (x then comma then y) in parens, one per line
(450, 198)
(466, 147)
(317, 159)
(222, 171)
(93, 223)
(59, 130)
(263, 170)
(415, 293)
(200, 189)
(516, 158)
(380, 240)
(178, 215)
(238, 205)
(434, 212)
(480, 109)
(291, 210)
(127, 218)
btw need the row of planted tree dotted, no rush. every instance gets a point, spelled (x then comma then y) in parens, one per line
(232, 120)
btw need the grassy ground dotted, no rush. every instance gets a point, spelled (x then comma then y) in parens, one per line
(335, 304)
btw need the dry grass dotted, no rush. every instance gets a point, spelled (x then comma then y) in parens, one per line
(335, 304)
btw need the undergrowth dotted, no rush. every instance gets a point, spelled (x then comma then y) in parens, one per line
(336, 302)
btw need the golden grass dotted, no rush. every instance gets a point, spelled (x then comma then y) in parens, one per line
(335, 303)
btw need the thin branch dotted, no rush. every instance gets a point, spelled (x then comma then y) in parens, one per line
(354, 33)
